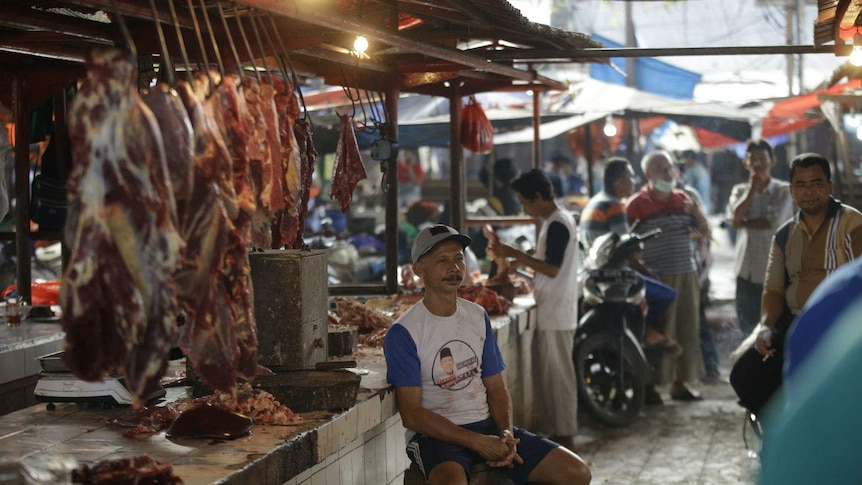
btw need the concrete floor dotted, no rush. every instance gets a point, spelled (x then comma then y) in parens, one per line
(684, 443)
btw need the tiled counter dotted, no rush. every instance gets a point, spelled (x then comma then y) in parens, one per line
(362, 445)
(20, 347)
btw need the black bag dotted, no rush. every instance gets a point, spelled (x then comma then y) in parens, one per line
(48, 202)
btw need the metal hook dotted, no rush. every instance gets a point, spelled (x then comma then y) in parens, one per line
(229, 38)
(247, 44)
(281, 67)
(166, 56)
(125, 30)
(212, 38)
(206, 69)
(260, 46)
(180, 39)
(295, 78)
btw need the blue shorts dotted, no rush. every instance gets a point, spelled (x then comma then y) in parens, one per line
(429, 452)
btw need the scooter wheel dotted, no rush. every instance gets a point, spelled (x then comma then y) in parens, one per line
(610, 386)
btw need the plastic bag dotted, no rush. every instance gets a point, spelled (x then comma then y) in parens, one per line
(477, 134)
(42, 293)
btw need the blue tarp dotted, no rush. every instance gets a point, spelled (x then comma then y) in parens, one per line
(650, 75)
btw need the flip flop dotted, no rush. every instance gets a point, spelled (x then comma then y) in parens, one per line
(687, 395)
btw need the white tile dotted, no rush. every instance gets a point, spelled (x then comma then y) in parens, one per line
(357, 460)
(333, 474)
(369, 415)
(345, 470)
(319, 478)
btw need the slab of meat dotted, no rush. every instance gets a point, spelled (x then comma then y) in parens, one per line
(366, 318)
(210, 145)
(177, 136)
(138, 470)
(260, 164)
(117, 293)
(349, 169)
(308, 155)
(286, 225)
(233, 118)
(205, 225)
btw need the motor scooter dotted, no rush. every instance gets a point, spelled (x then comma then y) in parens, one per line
(611, 367)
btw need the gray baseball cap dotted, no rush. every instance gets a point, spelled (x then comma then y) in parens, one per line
(434, 235)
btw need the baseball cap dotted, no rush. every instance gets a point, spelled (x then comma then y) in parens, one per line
(434, 235)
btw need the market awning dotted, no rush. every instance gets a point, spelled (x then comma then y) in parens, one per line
(597, 97)
(802, 111)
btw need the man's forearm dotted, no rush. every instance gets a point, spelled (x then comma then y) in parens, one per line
(500, 407)
(771, 307)
(428, 423)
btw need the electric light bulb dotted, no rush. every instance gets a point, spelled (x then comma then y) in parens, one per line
(360, 44)
(856, 56)
(610, 130)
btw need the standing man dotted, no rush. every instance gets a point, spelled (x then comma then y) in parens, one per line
(556, 291)
(469, 420)
(659, 204)
(823, 235)
(697, 176)
(756, 208)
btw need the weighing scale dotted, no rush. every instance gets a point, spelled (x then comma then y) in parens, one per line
(57, 384)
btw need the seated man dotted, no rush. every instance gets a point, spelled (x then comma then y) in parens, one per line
(824, 235)
(444, 362)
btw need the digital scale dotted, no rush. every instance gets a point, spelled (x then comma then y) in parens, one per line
(57, 384)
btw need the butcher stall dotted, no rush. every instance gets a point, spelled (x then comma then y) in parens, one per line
(165, 144)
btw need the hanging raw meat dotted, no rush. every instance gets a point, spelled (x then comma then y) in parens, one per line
(286, 228)
(260, 164)
(176, 130)
(205, 225)
(275, 197)
(477, 134)
(235, 279)
(308, 155)
(210, 144)
(349, 169)
(117, 294)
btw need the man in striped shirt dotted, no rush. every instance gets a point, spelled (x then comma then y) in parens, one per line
(659, 204)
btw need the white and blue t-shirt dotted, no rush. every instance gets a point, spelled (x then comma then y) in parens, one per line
(447, 357)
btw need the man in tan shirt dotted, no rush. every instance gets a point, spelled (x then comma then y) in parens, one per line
(824, 235)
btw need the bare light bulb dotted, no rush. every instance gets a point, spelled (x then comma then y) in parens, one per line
(360, 45)
(610, 130)
(856, 56)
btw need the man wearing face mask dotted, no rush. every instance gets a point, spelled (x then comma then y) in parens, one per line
(659, 204)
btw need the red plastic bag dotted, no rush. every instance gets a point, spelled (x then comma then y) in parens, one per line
(43, 293)
(477, 134)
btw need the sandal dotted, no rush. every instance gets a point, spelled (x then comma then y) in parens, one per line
(686, 395)
(667, 345)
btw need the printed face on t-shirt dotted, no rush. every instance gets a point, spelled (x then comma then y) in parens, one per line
(455, 366)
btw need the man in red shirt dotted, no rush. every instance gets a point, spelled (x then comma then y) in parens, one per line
(659, 204)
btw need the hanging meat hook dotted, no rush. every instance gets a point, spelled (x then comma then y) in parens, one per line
(206, 67)
(166, 56)
(125, 30)
(180, 40)
(213, 39)
(294, 78)
(278, 59)
(246, 42)
(260, 46)
(229, 38)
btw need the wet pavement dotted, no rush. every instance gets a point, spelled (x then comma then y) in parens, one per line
(680, 442)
